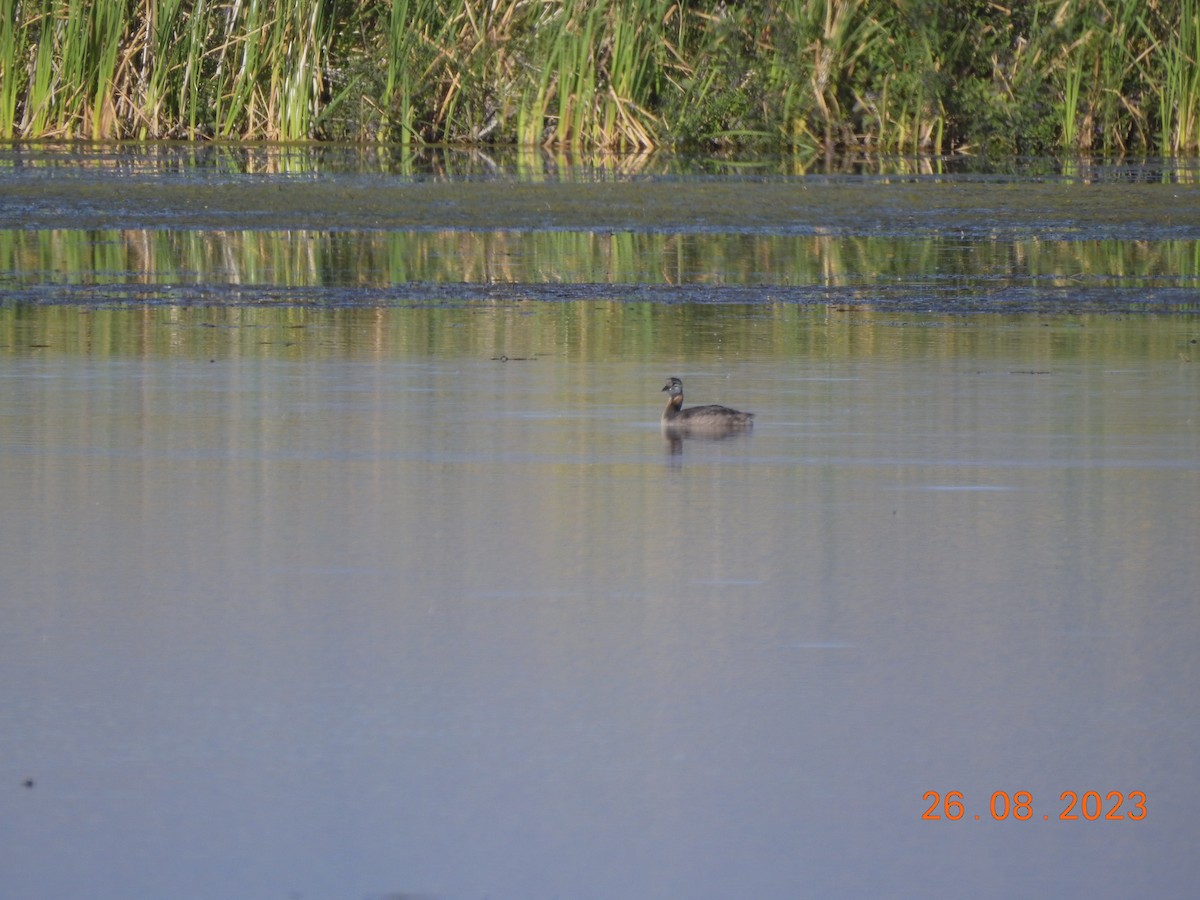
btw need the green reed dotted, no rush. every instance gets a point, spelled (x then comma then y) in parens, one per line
(1130, 76)
(813, 68)
(9, 82)
(809, 75)
(146, 69)
(1179, 100)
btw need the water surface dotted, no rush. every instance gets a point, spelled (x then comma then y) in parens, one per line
(375, 602)
(342, 555)
(175, 224)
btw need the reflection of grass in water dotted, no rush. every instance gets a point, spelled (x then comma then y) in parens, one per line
(586, 331)
(322, 259)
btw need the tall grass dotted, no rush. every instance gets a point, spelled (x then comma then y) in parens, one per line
(601, 74)
(1130, 76)
(9, 82)
(1179, 98)
(175, 68)
(808, 75)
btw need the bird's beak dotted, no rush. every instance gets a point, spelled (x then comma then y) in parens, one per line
(666, 387)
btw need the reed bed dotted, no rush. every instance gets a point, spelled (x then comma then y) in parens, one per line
(1110, 76)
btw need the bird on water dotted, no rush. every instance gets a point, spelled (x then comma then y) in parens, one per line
(711, 418)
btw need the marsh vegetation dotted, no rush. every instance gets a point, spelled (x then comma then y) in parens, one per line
(1114, 76)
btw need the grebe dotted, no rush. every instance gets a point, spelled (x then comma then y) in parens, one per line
(711, 418)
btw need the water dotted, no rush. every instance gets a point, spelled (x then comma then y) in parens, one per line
(339, 598)
(341, 618)
(180, 225)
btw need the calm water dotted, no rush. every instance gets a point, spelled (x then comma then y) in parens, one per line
(320, 614)
(354, 563)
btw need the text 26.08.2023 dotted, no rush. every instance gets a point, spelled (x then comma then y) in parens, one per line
(1072, 806)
